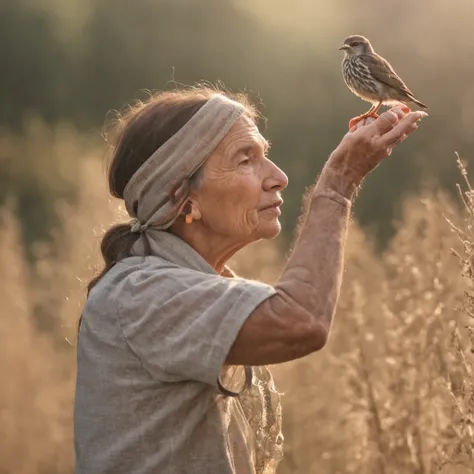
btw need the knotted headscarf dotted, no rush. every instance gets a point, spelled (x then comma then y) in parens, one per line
(157, 192)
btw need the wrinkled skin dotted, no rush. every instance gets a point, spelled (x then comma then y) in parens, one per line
(230, 206)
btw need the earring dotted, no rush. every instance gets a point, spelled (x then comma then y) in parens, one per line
(188, 212)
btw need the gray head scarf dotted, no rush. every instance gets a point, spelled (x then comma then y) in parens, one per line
(157, 192)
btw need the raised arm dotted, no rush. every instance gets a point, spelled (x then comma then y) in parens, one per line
(296, 321)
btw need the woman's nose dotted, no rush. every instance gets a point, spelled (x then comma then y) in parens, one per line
(275, 179)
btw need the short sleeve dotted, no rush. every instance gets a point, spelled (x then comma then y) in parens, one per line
(182, 323)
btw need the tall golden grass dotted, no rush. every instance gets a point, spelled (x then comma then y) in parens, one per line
(391, 393)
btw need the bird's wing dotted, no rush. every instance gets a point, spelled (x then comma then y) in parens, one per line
(383, 72)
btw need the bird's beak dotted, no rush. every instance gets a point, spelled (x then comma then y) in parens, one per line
(344, 47)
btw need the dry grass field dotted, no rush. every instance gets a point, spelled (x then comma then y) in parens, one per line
(392, 393)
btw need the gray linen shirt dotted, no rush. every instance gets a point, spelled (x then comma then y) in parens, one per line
(155, 333)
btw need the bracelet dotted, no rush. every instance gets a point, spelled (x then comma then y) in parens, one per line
(332, 195)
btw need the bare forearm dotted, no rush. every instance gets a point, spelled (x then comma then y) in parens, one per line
(297, 319)
(312, 278)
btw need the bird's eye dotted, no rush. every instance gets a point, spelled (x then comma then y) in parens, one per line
(355, 43)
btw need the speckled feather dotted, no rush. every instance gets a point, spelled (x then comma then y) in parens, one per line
(358, 78)
(372, 78)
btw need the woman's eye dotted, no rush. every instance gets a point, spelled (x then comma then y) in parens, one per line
(244, 162)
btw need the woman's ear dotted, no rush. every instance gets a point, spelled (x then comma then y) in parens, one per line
(192, 211)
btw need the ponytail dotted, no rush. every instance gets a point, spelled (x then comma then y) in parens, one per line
(116, 245)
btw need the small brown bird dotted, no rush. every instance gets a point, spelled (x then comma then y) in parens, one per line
(371, 77)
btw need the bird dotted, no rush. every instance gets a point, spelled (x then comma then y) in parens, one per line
(372, 78)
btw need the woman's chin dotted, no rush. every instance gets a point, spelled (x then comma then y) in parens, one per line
(269, 229)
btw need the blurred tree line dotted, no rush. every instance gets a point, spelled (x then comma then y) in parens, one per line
(67, 63)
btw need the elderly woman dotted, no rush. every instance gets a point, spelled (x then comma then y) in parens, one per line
(173, 347)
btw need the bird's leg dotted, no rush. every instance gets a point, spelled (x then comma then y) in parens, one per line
(373, 113)
(370, 113)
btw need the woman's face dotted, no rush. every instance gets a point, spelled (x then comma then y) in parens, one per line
(239, 195)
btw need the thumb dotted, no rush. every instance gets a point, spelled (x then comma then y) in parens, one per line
(385, 122)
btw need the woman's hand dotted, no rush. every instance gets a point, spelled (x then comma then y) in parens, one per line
(367, 143)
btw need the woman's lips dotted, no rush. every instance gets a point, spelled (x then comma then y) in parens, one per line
(273, 208)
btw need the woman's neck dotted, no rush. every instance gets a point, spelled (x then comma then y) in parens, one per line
(216, 249)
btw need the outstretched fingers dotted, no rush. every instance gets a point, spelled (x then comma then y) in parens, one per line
(402, 129)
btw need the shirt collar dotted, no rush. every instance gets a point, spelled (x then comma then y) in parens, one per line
(173, 249)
